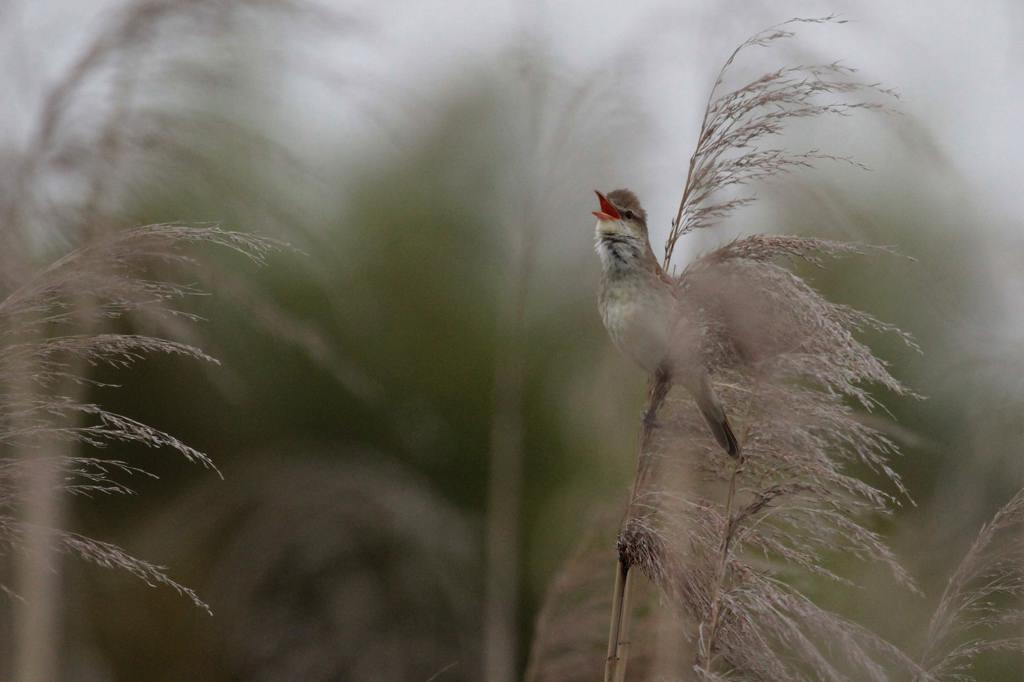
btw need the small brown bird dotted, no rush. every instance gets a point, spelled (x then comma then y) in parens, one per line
(641, 312)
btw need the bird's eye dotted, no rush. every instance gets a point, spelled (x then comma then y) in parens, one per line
(628, 215)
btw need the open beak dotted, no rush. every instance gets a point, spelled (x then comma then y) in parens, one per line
(607, 212)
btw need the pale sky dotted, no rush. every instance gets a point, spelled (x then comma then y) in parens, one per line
(957, 66)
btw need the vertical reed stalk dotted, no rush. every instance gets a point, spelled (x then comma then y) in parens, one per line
(618, 631)
(612, 663)
(37, 574)
(39, 568)
(505, 481)
(707, 646)
(622, 648)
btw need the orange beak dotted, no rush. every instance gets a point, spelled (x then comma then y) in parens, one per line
(607, 212)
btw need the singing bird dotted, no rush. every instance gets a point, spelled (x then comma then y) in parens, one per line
(642, 312)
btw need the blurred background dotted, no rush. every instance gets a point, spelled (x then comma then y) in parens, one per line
(418, 414)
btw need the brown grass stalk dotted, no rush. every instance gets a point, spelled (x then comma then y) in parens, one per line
(618, 651)
(618, 631)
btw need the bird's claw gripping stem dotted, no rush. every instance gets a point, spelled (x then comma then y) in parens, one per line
(650, 418)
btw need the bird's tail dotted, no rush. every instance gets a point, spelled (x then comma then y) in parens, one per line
(716, 418)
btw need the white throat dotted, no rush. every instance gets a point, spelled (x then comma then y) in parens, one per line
(619, 251)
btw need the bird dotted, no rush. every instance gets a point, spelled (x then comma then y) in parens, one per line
(643, 313)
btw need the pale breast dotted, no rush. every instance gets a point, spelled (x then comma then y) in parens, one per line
(638, 315)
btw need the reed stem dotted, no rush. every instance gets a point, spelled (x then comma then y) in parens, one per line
(618, 631)
(615, 666)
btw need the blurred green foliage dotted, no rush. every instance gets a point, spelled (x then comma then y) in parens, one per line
(402, 278)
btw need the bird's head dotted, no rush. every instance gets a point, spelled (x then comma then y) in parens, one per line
(621, 215)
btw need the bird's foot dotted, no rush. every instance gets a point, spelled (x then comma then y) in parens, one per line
(650, 419)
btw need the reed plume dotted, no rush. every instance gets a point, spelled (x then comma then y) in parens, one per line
(80, 268)
(980, 611)
(735, 547)
(723, 539)
(38, 361)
